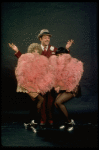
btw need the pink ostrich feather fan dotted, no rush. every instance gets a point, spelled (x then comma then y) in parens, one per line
(33, 73)
(67, 70)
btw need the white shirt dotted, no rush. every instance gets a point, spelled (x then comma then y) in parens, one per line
(43, 47)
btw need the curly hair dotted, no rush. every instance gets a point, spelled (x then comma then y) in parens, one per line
(34, 46)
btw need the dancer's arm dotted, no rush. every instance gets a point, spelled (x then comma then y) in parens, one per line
(15, 48)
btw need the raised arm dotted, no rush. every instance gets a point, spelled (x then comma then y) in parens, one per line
(15, 48)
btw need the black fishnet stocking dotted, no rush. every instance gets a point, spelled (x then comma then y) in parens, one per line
(61, 98)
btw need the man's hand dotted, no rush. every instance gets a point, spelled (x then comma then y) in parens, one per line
(69, 43)
(13, 47)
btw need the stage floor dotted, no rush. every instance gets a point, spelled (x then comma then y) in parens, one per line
(13, 134)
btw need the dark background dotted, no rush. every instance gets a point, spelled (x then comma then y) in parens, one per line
(21, 22)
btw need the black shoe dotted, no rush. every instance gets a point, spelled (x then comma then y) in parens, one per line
(50, 124)
(42, 127)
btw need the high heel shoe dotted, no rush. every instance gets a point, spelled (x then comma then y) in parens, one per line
(68, 126)
(31, 125)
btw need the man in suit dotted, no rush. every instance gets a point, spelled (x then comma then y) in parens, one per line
(47, 50)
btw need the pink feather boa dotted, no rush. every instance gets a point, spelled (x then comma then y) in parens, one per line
(33, 73)
(67, 71)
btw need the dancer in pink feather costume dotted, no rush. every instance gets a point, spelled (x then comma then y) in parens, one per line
(33, 74)
(68, 73)
(30, 72)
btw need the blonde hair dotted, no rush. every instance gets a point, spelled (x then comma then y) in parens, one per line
(34, 46)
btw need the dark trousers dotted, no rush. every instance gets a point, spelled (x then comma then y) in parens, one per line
(47, 106)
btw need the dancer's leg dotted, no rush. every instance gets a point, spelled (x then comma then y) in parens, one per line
(59, 102)
(39, 100)
(43, 111)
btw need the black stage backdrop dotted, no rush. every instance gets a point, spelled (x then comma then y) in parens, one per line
(20, 24)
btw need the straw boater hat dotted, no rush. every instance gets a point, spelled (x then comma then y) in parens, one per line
(44, 32)
(34, 46)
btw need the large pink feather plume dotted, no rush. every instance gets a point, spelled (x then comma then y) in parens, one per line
(67, 70)
(33, 73)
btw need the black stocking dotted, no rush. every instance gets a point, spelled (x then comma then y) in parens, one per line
(63, 97)
(39, 99)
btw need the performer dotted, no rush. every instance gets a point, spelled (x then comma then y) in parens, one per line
(22, 68)
(47, 109)
(68, 73)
